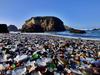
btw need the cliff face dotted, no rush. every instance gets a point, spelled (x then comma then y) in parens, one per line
(12, 28)
(4, 28)
(43, 24)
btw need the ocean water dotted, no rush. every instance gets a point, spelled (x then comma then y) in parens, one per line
(89, 34)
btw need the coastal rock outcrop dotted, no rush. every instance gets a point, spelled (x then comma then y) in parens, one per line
(73, 30)
(12, 28)
(4, 28)
(43, 24)
(96, 29)
(77, 31)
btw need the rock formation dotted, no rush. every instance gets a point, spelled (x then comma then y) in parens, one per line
(72, 30)
(43, 24)
(96, 29)
(3, 28)
(12, 28)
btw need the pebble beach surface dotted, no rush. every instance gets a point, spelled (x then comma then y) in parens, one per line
(39, 54)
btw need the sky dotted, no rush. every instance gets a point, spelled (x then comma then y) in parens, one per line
(80, 14)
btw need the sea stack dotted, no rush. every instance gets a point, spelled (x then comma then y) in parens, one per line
(43, 24)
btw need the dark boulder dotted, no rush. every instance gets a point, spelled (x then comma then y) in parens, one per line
(12, 28)
(4, 28)
(43, 24)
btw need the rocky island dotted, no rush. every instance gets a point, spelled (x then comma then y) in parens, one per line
(43, 24)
